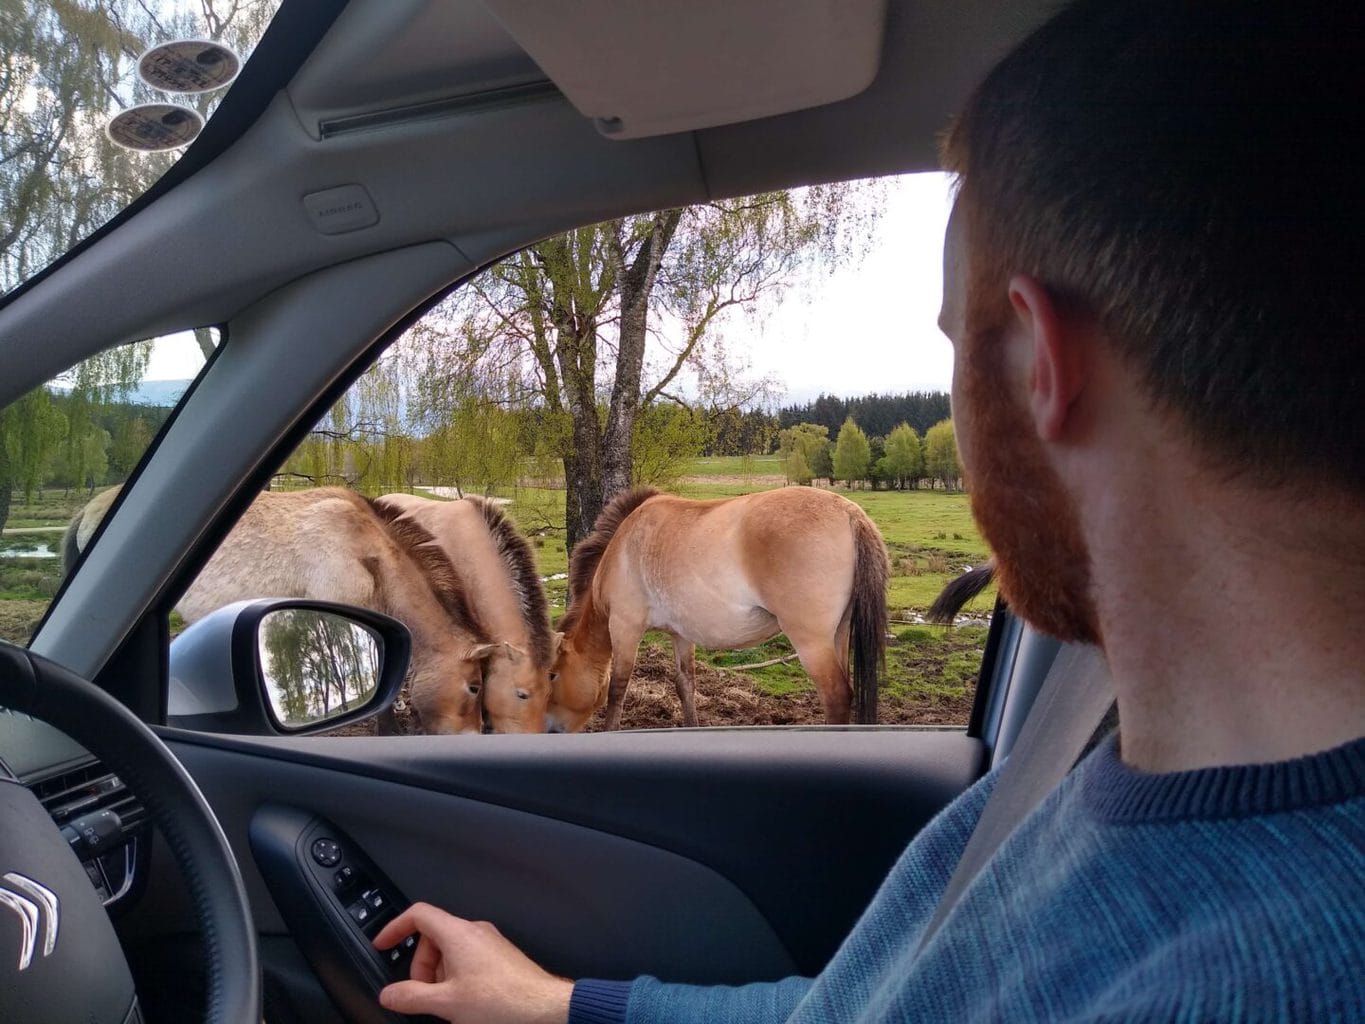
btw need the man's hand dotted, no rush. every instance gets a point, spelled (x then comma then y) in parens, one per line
(466, 971)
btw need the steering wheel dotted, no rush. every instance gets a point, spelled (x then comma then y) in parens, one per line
(69, 964)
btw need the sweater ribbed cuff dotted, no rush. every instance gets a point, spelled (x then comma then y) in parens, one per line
(598, 1002)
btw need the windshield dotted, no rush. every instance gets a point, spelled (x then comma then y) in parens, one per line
(68, 70)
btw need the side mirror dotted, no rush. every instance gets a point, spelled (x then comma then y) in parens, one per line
(285, 666)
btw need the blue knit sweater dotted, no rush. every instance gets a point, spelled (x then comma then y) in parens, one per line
(1228, 894)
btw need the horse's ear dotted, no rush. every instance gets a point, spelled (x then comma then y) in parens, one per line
(481, 652)
(555, 641)
(514, 653)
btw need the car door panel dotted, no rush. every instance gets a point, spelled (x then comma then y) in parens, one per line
(708, 856)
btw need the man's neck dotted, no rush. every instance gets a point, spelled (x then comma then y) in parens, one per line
(1233, 626)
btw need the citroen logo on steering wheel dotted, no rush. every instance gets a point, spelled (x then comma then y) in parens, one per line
(36, 906)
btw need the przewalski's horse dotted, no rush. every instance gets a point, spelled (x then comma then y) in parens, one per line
(498, 570)
(332, 544)
(724, 574)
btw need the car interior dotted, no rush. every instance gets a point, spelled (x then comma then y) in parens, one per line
(372, 155)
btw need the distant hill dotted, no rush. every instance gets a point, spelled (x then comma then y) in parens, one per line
(164, 393)
(160, 393)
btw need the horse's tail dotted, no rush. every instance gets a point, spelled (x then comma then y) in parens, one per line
(959, 591)
(871, 570)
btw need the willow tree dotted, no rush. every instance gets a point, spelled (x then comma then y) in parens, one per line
(597, 324)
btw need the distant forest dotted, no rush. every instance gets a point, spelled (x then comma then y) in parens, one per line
(876, 414)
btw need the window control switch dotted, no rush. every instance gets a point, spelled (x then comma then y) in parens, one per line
(360, 912)
(335, 899)
(399, 958)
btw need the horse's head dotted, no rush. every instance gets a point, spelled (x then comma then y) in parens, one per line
(516, 690)
(445, 691)
(578, 681)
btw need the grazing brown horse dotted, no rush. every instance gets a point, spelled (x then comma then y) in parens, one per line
(724, 574)
(331, 544)
(498, 571)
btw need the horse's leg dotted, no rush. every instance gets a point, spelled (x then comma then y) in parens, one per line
(828, 668)
(685, 676)
(621, 668)
(625, 642)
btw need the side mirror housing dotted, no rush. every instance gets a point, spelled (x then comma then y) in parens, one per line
(285, 666)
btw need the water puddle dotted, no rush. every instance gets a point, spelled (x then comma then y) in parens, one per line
(28, 549)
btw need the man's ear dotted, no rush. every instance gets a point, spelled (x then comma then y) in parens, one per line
(1057, 356)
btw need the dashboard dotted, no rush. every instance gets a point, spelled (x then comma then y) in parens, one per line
(102, 822)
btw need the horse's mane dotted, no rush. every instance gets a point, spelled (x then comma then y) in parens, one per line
(436, 568)
(587, 555)
(523, 575)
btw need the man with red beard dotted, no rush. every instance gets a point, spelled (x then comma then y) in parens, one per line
(1153, 289)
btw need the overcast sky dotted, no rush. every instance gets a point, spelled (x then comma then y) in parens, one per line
(868, 327)
(873, 326)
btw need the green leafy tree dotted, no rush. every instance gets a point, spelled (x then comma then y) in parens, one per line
(904, 457)
(940, 455)
(875, 474)
(852, 454)
(668, 438)
(571, 316)
(812, 441)
(94, 459)
(130, 439)
(822, 461)
(795, 467)
(31, 432)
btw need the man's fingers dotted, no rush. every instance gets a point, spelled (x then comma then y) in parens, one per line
(425, 961)
(420, 917)
(411, 997)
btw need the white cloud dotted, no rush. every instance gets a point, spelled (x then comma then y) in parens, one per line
(872, 326)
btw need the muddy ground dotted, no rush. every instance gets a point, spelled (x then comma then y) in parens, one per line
(732, 698)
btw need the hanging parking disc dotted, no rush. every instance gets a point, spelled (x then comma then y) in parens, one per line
(152, 127)
(188, 65)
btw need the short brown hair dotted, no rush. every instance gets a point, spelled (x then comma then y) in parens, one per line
(1186, 171)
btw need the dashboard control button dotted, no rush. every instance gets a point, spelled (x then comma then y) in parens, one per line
(327, 852)
(376, 900)
(345, 878)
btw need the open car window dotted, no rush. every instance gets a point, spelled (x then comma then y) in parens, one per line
(510, 395)
(65, 450)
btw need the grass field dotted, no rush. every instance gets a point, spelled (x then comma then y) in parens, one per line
(930, 673)
(29, 571)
